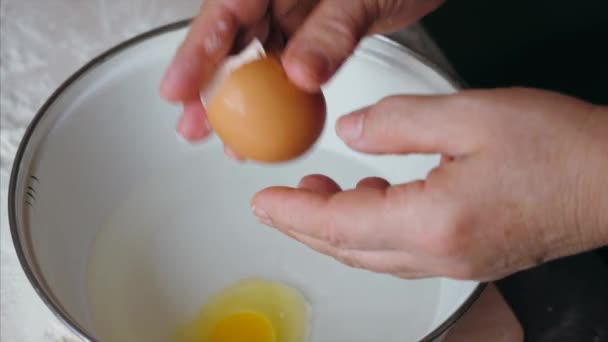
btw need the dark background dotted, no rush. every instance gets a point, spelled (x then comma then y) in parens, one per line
(560, 45)
(555, 44)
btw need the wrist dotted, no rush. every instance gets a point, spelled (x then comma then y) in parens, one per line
(594, 200)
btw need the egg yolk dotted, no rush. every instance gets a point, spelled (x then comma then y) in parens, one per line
(250, 310)
(243, 327)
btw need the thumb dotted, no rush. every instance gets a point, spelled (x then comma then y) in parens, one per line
(325, 40)
(333, 31)
(410, 124)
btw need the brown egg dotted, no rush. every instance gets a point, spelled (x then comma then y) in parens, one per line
(262, 116)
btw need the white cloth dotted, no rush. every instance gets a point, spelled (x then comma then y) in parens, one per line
(42, 43)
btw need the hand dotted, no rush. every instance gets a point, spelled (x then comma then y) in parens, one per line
(322, 34)
(523, 180)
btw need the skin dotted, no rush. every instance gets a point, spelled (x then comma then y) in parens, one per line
(522, 178)
(321, 33)
(520, 184)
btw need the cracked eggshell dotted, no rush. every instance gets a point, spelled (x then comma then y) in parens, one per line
(259, 113)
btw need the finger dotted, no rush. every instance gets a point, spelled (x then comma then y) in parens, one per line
(365, 218)
(373, 182)
(193, 124)
(275, 43)
(260, 31)
(290, 14)
(403, 14)
(412, 275)
(327, 37)
(445, 159)
(334, 29)
(390, 262)
(319, 183)
(209, 40)
(410, 124)
(282, 7)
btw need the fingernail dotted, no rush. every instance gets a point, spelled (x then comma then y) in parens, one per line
(262, 216)
(232, 155)
(169, 83)
(193, 129)
(350, 127)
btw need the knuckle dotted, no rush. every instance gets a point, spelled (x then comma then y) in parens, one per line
(348, 258)
(215, 42)
(347, 22)
(381, 118)
(332, 28)
(332, 234)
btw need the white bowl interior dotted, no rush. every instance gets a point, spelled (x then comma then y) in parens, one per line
(132, 229)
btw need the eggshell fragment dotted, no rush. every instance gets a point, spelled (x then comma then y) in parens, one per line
(253, 51)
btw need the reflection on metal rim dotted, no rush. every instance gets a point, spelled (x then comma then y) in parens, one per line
(17, 169)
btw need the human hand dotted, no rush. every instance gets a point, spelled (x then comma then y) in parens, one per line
(523, 180)
(321, 33)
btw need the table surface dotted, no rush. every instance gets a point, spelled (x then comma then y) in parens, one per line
(42, 43)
